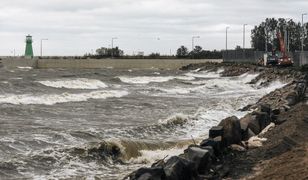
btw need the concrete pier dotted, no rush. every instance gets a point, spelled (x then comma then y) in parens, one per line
(103, 63)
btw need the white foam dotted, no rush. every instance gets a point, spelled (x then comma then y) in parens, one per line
(25, 67)
(149, 79)
(79, 83)
(177, 90)
(179, 117)
(51, 99)
(205, 74)
(7, 139)
(149, 157)
(197, 70)
(17, 78)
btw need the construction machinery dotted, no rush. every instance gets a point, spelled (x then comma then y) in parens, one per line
(277, 58)
(284, 59)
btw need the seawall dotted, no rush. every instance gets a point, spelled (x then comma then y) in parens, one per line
(103, 63)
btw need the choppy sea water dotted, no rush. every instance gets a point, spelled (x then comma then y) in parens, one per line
(106, 123)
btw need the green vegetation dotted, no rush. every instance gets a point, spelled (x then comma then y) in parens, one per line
(198, 53)
(268, 29)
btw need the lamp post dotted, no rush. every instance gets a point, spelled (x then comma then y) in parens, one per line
(158, 39)
(227, 37)
(112, 39)
(244, 33)
(42, 46)
(193, 42)
(266, 38)
(302, 38)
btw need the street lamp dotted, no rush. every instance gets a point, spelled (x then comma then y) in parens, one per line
(42, 46)
(304, 14)
(158, 39)
(227, 37)
(244, 33)
(193, 42)
(112, 39)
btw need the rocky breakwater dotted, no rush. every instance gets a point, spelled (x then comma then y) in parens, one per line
(232, 139)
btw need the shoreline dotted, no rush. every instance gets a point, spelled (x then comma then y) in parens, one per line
(102, 63)
(236, 147)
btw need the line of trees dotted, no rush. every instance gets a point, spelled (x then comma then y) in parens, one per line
(267, 30)
(104, 52)
(197, 53)
(182, 52)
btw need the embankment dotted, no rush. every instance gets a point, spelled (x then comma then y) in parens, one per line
(270, 142)
(103, 63)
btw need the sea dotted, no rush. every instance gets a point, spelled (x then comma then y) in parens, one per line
(106, 123)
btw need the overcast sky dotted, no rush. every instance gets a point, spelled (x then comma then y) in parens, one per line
(75, 27)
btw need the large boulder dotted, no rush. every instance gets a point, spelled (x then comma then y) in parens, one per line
(292, 98)
(178, 168)
(266, 108)
(300, 88)
(263, 118)
(216, 131)
(246, 124)
(232, 131)
(201, 158)
(255, 122)
(215, 143)
(154, 173)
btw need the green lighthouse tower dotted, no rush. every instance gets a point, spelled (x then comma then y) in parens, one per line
(29, 49)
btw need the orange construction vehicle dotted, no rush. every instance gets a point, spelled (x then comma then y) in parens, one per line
(275, 57)
(284, 59)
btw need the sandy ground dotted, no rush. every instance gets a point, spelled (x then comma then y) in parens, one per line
(283, 156)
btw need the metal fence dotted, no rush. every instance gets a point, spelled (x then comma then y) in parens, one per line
(242, 55)
(252, 56)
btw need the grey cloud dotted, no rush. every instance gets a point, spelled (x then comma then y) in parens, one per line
(72, 24)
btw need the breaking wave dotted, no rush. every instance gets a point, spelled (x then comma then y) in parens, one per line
(151, 79)
(51, 99)
(80, 83)
(205, 74)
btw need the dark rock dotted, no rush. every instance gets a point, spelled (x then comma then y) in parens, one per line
(266, 108)
(159, 163)
(280, 121)
(215, 143)
(210, 150)
(232, 131)
(263, 118)
(146, 176)
(200, 157)
(247, 122)
(224, 171)
(292, 98)
(246, 108)
(178, 168)
(244, 127)
(250, 121)
(250, 133)
(274, 118)
(216, 131)
(305, 119)
(156, 173)
(301, 89)
(276, 111)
